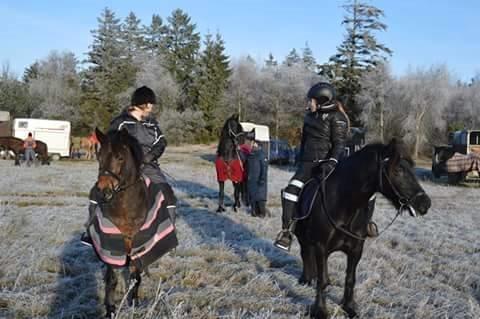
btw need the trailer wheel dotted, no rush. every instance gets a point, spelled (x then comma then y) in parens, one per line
(55, 157)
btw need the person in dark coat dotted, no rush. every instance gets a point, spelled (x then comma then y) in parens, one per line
(324, 134)
(139, 123)
(257, 170)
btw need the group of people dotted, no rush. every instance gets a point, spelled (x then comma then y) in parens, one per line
(324, 135)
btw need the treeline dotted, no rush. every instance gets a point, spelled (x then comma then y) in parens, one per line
(198, 85)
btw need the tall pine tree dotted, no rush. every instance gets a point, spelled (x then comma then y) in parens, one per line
(213, 76)
(105, 77)
(359, 52)
(308, 59)
(182, 44)
(155, 35)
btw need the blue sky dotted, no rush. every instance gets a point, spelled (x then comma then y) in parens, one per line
(421, 33)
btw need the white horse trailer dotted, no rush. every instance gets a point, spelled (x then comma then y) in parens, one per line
(262, 135)
(56, 134)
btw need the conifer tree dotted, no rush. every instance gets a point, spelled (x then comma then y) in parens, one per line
(358, 53)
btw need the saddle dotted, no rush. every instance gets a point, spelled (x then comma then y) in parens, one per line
(310, 192)
(155, 238)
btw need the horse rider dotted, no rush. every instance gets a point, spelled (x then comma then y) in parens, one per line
(29, 145)
(139, 123)
(324, 134)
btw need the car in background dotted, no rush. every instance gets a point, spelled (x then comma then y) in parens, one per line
(281, 152)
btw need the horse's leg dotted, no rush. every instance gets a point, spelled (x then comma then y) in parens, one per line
(135, 279)
(110, 284)
(348, 303)
(221, 194)
(319, 308)
(309, 272)
(236, 195)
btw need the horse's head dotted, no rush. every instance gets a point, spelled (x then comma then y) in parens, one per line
(231, 136)
(233, 127)
(397, 180)
(119, 159)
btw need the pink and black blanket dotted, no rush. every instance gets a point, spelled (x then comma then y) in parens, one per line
(156, 237)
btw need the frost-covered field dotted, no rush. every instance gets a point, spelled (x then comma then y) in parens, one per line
(225, 265)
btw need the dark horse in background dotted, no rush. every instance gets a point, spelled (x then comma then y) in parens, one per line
(15, 145)
(340, 214)
(127, 214)
(228, 163)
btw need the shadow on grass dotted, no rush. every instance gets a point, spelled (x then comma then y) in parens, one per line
(76, 291)
(215, 228)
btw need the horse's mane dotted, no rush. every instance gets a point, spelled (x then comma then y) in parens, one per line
(395, 150)
(120, 139)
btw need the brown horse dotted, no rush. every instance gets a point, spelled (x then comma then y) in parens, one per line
(132, 227)
(89, 144)
(15, 145)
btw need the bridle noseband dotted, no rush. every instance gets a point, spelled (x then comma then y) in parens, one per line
(120, 187)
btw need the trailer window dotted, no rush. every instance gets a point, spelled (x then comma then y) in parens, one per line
(23, 124)
(474, 138)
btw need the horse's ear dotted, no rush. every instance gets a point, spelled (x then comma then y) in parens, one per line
(100, 136)
(235, 116)
(391, 152)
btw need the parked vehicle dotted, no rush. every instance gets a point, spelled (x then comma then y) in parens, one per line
(56, 134)
(466, 142)
(280, 152)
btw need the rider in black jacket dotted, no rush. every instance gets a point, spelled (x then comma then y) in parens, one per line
(137, 120)
(324, 133)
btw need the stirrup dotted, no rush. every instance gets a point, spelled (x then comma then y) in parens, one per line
(86, 240)
(283, 240)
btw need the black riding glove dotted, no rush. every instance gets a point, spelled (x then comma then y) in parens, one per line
(329, 166)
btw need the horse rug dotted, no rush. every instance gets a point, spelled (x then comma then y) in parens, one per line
(155, 238)
(463, 163)
(232, 170)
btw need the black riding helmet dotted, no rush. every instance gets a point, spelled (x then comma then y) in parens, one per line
(143, 95)
(324, 94)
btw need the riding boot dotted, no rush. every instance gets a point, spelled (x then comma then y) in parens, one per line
(92, 207)
(284, 237)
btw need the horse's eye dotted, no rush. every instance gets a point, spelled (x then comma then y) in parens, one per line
(119, 158)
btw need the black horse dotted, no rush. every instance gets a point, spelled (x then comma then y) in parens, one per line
(340, 214)
(229, 163)
(133, 227)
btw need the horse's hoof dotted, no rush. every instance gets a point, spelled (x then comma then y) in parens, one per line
(350, 310)
(110, 312)
(220, 209)
(317, 313)
(305, 282)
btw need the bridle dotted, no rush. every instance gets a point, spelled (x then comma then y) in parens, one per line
(234, 136)
(403, 201)
(121, 185)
